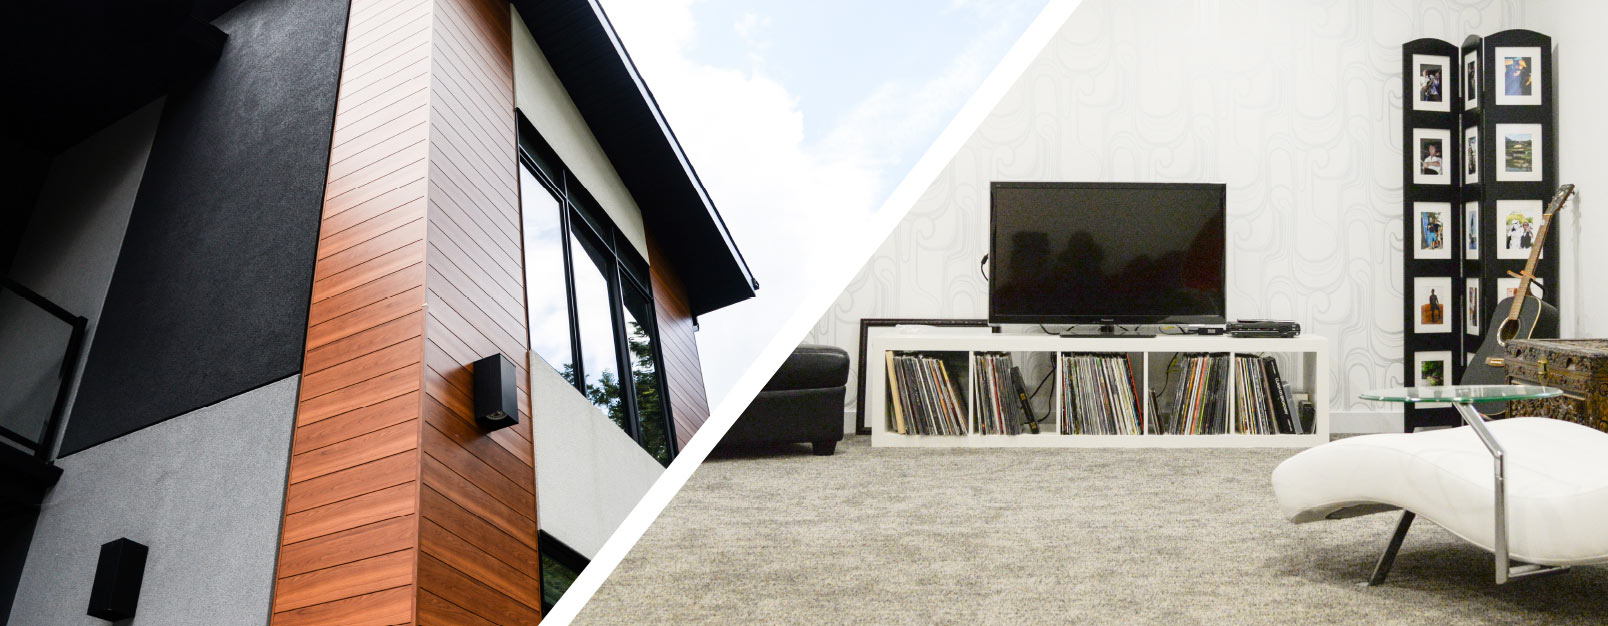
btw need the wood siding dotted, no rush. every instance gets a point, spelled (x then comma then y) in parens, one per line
(689, 407)
(348, 543)
(398, 508)
(477, 538)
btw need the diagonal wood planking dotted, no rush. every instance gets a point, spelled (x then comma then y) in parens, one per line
(348, 546)
(399, 509)
(478, 521)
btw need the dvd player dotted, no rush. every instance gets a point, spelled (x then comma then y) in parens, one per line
(1264, 328)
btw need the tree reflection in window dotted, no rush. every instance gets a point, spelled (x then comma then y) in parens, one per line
(652, 423)
(590, 312)
(605, 394)
(593, 317)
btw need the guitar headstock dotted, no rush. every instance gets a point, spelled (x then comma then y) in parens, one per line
(1562, 196)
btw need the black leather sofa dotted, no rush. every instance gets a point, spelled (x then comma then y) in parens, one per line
(802, 403)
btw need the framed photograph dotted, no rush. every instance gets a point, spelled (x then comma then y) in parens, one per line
(1432, 75)
(1509, 287)
(1432, 368)
(1432, 297)
(1471, 80)
(1429, 150)
(1471, 228)
(1471, 155)
(1518, 76)
(1471, 306)
(1432, 227)
(1518, 156)
(1516, 228)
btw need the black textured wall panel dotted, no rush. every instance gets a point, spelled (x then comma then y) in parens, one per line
(209, 298)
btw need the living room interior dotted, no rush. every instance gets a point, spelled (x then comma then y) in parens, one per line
(974, 454)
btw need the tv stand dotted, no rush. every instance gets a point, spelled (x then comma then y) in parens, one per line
(1106, 330)
(1304, 363)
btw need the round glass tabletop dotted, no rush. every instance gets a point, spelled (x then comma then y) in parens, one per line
(1461, 393)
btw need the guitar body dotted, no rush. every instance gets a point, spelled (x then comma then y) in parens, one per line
(1536, 319)
(1526, 318)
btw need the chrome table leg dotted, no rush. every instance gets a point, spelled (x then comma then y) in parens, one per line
(1505, 570)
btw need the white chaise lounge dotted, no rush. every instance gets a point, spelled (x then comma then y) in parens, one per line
(1556, 489)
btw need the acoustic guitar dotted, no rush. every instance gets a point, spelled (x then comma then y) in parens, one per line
(1527, 316)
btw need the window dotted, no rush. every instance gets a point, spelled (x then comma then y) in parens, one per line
(560, 565)
(589, 300)
(547, 303)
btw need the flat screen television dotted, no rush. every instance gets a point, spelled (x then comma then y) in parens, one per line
(1107, 253)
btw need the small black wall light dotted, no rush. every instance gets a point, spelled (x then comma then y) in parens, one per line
(496, 396)
(117, 580)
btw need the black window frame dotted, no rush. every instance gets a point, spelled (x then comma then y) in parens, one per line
(582, 218)
(549, 548)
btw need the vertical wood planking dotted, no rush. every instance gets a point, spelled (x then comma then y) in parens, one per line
(349, 542)
(477, 552)
(689, 407)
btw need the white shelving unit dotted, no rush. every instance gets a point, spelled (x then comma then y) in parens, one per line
(1310, 376)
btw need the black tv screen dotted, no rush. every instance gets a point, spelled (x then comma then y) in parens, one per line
(1118, 253)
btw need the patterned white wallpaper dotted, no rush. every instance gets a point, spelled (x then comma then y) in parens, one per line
(1295, 105)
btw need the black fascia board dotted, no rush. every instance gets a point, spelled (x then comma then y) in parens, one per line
(589, 59)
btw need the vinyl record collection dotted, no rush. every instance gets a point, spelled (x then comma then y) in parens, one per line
(925, 398)
(1097, 395)
(997, 383)
(1196, 396)
(1262, 401)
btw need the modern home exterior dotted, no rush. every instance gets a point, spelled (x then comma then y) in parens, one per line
(258, 246)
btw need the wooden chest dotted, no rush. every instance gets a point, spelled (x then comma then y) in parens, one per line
(1577, 366)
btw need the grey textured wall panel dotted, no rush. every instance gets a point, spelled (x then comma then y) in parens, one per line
(204, 491)
(589, 473)
(209, 298)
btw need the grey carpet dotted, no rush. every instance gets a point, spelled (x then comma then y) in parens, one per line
(888, 536)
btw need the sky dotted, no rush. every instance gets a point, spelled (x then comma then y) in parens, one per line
(800, 118)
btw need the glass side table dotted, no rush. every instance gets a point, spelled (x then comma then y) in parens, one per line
(1463, 398)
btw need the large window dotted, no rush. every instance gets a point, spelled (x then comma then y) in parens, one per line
(589, 300)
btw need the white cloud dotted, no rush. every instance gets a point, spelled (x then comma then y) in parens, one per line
(748, 27)
(901, 116)
(785, 200)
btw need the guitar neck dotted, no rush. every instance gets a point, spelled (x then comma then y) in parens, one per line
(1529, 268)
(1535, 250)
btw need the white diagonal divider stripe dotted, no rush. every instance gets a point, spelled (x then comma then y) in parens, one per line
(834, 279)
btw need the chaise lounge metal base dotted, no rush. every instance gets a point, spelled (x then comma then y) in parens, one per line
(1533, 491)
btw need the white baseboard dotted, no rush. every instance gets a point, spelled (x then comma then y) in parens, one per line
(1364, 422)
(851, 419)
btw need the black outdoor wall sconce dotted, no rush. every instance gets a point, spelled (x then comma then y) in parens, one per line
(496, 396)
(117, 580)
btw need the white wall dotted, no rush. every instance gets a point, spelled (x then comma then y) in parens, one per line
(1295, 105)
(204, 491)
(589, 473)
(1579, 51)
(541, 97)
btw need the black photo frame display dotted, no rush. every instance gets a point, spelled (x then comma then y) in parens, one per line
(1495, 122)
(1431, 181)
